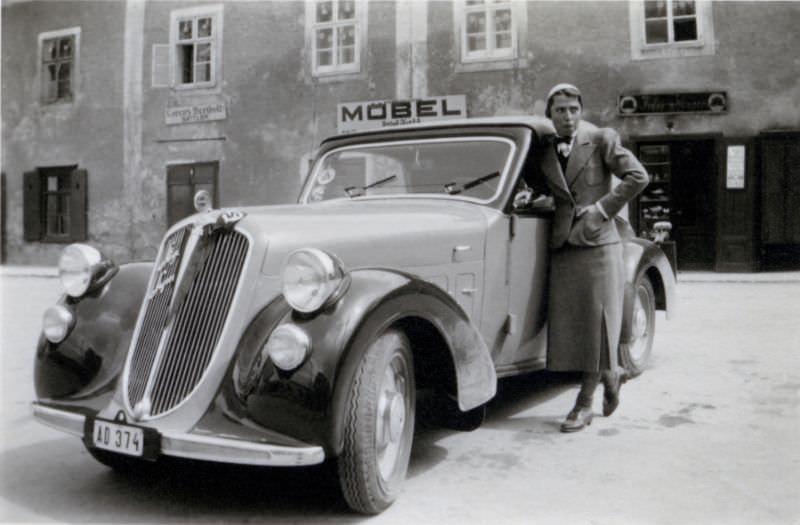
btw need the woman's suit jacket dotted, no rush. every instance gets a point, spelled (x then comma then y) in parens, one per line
(596, 155)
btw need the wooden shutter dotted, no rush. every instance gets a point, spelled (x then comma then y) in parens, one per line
(32, 206)
(77, 206)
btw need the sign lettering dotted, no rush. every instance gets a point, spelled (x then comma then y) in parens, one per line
(192, 114)
(376, 114)
(715, 102)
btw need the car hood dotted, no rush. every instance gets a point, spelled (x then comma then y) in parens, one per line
(397, 233)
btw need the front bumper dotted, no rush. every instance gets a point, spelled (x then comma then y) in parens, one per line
(201, 447)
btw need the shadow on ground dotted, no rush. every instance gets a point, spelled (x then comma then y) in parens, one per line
(58, 479)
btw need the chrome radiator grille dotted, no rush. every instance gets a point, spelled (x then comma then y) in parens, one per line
(167, 371)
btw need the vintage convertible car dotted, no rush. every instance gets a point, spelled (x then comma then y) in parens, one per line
(291, 334)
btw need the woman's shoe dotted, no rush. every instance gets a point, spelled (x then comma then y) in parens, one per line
(611, 394)
(578, 418)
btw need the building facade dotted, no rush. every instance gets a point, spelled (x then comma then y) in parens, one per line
(116, 113)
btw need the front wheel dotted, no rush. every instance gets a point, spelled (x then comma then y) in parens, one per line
(379, 425)
(635, 354)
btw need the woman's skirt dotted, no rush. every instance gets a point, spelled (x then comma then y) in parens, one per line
(585, 308)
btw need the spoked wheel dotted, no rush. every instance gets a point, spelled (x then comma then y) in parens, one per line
(379, 425)
(635, 354)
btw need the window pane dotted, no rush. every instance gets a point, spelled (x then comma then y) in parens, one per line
(655, 8)
(474, 2)
(347, 9)
(202, 73)
(185, 29)
(347, 36)
(324, 38)
(52, 183)
(51, 72)
(204, 52)
(681, 7)
(324, 11)
(64, 71)
(476, 23)
(502, 20)
(476, 43)
(64, 90)
(65, 48)
(656, 31)
(324, 58)
(685, 29)
(204, 27)
(502, 41)
(186, 59)
(347, 55)
(50, 50)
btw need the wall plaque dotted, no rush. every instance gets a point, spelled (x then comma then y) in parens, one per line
(198, 113)
(715, 102)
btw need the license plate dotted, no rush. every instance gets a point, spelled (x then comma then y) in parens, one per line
(124, 439)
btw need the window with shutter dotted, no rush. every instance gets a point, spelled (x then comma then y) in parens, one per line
(55, 204)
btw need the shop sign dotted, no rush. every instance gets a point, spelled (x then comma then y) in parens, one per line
(361, 116)
(715, 102)
(198, 113)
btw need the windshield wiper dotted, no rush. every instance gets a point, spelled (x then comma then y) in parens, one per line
(358, 191)
(453, 188)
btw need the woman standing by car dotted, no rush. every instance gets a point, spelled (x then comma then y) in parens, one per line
(586, 269)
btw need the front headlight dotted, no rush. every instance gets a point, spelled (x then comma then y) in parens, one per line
(311, 279)
(80, 267)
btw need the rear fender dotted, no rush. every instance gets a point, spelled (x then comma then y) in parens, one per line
(87, 364)
(645, 258)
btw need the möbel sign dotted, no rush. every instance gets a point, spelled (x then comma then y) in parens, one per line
(360, 116)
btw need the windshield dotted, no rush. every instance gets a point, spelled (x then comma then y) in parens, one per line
(468, 167)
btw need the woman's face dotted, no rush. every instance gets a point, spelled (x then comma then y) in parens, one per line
(565, 112)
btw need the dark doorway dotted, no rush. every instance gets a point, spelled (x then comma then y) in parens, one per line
(183, 181)
(683, 174)
(780, 200)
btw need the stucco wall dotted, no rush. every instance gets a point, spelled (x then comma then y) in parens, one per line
(588, 43)
(87, 132)
(277, 112)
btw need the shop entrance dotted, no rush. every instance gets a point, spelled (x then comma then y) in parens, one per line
(683, 174)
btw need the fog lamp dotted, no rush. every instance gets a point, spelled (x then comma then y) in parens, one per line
(288, 347)
(312, 279)
(57, 323)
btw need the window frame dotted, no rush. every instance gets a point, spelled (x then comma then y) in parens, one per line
(490, 53)
(359, 20)
(670, 20)
(472, 62)
(703, 45)
(215, 13)
(75, 34)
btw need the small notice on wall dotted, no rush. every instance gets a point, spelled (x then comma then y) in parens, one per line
(199, 113)
(736, 168)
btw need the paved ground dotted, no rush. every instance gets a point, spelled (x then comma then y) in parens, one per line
(709, 435)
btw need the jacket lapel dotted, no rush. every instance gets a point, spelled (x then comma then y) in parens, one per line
(552, 168)
(579, 156)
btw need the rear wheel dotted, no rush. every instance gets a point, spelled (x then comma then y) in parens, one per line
(379, 425)
(635, 354)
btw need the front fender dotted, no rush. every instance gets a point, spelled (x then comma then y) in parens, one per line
(308, 403)
(86, 364)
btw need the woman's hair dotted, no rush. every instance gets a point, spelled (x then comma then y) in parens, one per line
(562, 89)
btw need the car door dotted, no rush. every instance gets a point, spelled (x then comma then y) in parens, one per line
(524, 345)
